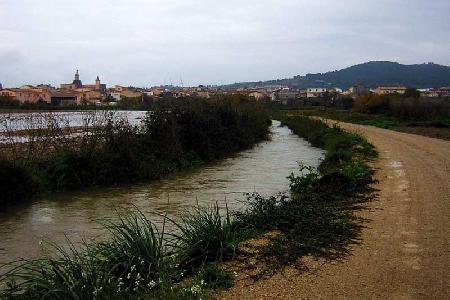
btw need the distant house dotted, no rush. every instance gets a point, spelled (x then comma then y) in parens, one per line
(120, 92)
(386, 90)
(202, 94)
(356, 90)
(288, 97)
(129, 93)
(429, 93)
(316, 92)
(115, 95)
(257, 95)
(66, 98)
(444, 92)
(27, 95)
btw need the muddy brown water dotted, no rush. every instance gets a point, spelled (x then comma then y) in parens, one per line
(76, 215)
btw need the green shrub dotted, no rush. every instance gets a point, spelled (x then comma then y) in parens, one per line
(260, 213)
(305, 181)
(356, 170)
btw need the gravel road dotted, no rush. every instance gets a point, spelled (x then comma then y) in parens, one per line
(405, 247)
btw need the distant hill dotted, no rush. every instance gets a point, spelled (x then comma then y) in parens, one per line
(369, 74)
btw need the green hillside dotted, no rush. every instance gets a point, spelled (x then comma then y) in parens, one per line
(369, 74)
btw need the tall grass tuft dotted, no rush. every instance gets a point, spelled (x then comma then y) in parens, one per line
(72, 273)
(129, 262)
(135, 253)
(206, 236)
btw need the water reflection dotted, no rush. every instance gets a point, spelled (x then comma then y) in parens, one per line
(263, 169)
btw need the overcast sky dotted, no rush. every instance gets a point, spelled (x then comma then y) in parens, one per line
(152, 42)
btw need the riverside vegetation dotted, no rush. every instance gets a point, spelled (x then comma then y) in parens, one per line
(142, 260)
(172, 137)
(406, 113)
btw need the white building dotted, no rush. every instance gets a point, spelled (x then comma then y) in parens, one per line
(316, 92)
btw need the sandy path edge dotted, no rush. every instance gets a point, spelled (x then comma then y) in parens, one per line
(405, 249)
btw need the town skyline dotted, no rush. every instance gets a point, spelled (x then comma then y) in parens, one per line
(180, 83)
(152, 43)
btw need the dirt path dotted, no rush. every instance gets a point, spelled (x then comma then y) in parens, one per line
(405, 249)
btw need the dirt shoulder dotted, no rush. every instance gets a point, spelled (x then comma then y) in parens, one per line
(405, 246)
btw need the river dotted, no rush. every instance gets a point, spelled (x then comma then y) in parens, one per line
(263, 168)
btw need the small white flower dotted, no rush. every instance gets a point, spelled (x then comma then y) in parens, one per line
(196, 289)
(151, 284)
(129, 276)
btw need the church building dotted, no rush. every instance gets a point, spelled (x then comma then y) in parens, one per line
(77, 85)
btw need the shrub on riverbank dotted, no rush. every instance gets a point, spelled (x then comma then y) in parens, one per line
(173, 137)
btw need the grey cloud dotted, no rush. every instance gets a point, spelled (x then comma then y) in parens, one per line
(148, 42)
